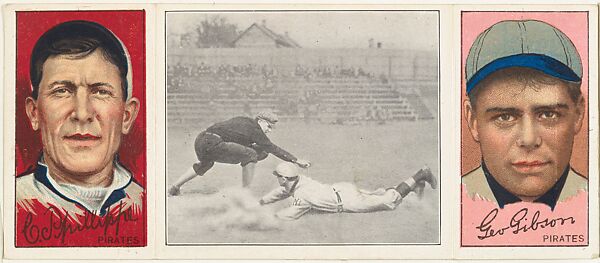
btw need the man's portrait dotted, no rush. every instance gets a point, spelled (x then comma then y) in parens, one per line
(523, 107)
(82, 106)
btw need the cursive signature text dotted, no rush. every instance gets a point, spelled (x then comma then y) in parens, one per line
(59, 225)
(519, 223)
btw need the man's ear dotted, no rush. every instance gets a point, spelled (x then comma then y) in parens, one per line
(580, 112)
(132, 106)
(32, 112)
(469, 113)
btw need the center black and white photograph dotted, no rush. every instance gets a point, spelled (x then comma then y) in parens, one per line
(315, 127)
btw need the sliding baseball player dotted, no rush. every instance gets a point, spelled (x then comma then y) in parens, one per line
(339, 197)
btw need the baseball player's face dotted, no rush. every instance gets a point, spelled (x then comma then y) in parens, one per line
(526, 133)
(281, 180)
(81, 113)
(265, 126)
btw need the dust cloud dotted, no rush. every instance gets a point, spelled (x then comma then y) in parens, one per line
(233, 208)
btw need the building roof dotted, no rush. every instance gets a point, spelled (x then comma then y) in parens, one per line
(281, 40)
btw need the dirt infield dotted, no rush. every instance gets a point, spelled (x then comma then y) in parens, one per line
(214, 209)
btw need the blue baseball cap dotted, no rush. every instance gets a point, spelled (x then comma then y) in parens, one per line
(525, 43)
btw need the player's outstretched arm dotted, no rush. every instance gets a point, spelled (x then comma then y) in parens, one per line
(280, 152)
(262, 143)
(275, 195)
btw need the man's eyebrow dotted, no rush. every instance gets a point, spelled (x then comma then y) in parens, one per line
(100, 84)
(70, 84)
(67, 83)
(551, 107)
(503, 110)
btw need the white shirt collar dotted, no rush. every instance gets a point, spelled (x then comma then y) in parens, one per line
(85, 196)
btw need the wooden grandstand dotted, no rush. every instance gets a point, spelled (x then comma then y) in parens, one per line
(334, 100)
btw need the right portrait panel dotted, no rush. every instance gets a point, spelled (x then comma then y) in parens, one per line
(524, 133)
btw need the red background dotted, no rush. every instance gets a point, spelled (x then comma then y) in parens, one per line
(129, 27)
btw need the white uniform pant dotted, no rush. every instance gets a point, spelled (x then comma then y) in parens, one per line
(359, 201)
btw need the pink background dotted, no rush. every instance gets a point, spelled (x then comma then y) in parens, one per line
(474, 212)
(574, 25)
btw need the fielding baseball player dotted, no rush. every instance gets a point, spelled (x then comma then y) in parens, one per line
(240, 140)
(340, 197)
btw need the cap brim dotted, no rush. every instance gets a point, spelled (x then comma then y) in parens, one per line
(275, 173)
(545, 64)
(269, 121)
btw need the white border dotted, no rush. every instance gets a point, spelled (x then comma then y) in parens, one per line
(9, 142)
(544, 252)
(314, 251)
(449, 110)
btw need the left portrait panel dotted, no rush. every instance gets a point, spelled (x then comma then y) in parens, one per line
(80, 161)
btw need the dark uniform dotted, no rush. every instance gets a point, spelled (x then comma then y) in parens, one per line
(237, 140)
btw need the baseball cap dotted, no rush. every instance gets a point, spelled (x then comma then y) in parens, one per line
(524, 43)
(286, 170)
(268, 116)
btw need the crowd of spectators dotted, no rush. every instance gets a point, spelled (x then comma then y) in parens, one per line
(316, 72)
(178, 73)
(222, 71)
(249, 82)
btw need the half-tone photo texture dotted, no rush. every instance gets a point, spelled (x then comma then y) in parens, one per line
(302, 127)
